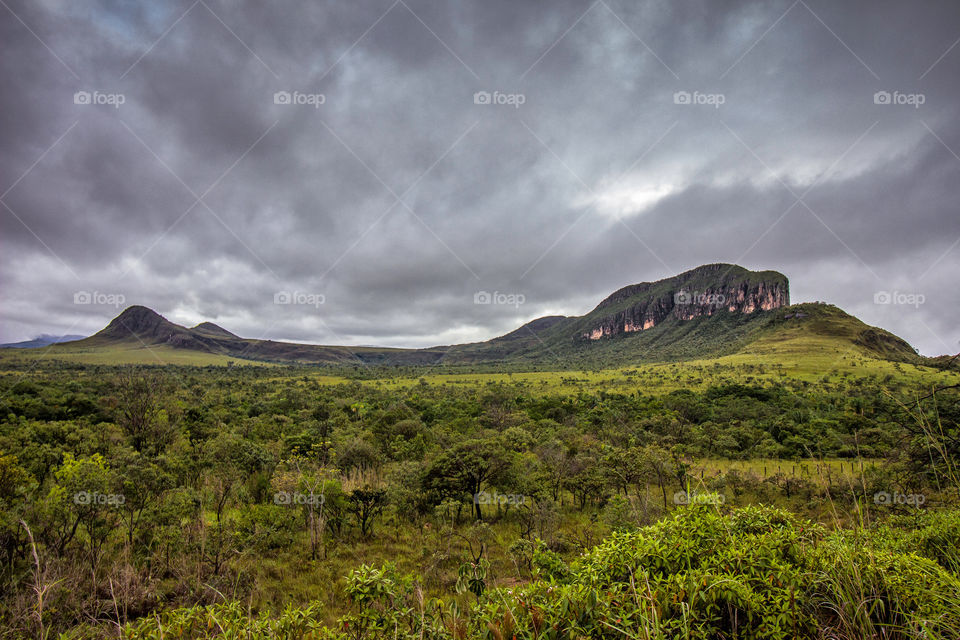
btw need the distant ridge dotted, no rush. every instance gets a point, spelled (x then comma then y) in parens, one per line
(713, 310)
(43, 340)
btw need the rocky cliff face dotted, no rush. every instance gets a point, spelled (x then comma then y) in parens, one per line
(701, 292)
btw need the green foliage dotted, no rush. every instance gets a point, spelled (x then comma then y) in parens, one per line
(266, 527)
(232, 620)
(386, 604)
(472, 577)
(564, 471)
(548, 564)
(756, 573)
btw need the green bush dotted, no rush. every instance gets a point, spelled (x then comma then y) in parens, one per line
(753, 573)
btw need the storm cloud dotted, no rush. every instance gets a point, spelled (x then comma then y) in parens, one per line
(392, 159)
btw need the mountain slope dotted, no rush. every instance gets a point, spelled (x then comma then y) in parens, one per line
(703, 291)
(139, 328)
(711, 311)
(212, 330)
(147, 327)
(664, 320)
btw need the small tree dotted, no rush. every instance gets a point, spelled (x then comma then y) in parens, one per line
(230, 459)
(140, 413)
(366, 505)
(463, 470)
(84, 496)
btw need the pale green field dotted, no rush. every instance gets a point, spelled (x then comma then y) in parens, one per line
(808, 355)
(697, 374)
(158, 355)
(803, 357)
(813, 470)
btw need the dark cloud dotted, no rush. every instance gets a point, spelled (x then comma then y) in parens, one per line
(598, 179)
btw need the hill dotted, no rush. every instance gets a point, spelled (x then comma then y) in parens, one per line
(213, 330)
(141, 335)
(712, 311)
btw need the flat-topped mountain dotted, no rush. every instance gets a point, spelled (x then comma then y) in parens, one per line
(713, 310)
(703, 291)
(701, 312)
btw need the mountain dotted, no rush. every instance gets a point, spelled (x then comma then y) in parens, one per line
(704, 291)
(213, 330)
(141, 328)
(148, 327)
(713, 310)
(702, 312)
(43, 340)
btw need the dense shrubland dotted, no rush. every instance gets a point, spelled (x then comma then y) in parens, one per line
(756, 572)
(204, 500)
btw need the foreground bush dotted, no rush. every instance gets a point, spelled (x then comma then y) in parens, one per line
(756, 572)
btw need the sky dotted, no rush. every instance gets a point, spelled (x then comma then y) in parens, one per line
(362, 172)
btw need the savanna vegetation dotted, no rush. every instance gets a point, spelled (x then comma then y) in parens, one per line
(698, 500)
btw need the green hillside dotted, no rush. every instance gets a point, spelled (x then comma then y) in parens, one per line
(716, 310)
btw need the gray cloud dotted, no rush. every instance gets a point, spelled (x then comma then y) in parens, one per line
(597, 180)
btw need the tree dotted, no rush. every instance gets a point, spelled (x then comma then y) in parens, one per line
(143, 482)
(14, 484)
(229, 459)
(558, 464)
(622, 468)
(317, 493)
(463, 470)
(84, 495)
(139, 411)
(660, 464)
(366, 505)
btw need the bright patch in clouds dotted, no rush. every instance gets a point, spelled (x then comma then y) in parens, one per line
(625, 200)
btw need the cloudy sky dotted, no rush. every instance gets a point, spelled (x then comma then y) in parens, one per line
(378, 163)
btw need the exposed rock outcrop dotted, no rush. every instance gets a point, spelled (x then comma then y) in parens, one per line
(703, 291)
